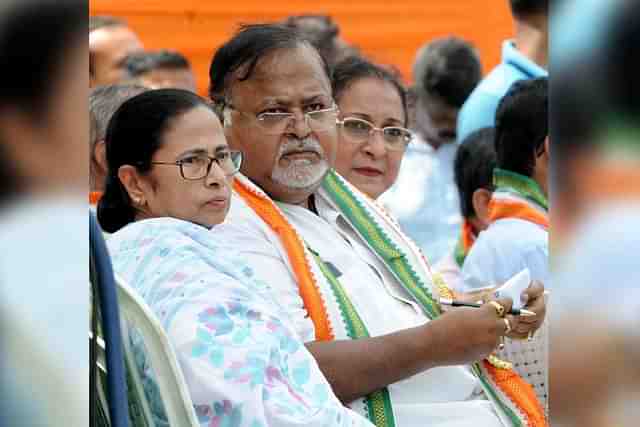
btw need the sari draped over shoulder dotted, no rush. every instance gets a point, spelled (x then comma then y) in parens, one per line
(242, 361)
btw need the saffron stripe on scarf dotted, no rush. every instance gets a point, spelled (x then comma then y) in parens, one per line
(270, 214)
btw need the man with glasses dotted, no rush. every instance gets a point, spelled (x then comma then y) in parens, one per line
(358, 292)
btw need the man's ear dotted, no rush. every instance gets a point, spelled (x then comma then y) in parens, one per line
(480, 200)
(92, 69)
(543, 149)
(100, 154)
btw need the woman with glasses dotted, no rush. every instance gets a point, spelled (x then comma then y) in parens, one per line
(372, 125)
(167, 157)
(168, 185)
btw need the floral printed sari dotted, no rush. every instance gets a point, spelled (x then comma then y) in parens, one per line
(241, 359)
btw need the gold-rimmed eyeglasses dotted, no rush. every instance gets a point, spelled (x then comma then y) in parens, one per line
(320, 120)
(359, 130)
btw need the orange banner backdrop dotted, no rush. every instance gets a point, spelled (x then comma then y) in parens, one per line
(387, 31)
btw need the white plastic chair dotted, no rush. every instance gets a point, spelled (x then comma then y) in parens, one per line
(530, 360)
(135, 314)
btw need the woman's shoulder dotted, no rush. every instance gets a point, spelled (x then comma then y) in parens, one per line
(158, 230)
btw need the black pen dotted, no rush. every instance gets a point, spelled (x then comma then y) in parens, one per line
(514, 311)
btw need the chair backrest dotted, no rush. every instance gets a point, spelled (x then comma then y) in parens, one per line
(137, 316)
(531, 361)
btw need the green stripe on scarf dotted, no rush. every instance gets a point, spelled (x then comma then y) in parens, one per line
(515, 420)
(504, 180)
(379, 402)
(392, 255)
(398, 262)
(459, 254)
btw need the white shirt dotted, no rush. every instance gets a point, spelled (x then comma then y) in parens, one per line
(362, 273)
(504, 249)
(424, 198)
(254, 240)
(444, 396)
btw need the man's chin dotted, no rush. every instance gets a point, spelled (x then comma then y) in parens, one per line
(292, 191)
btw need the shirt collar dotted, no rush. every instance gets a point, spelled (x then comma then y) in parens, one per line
(326, 210)
(513, 57)
(525, 186)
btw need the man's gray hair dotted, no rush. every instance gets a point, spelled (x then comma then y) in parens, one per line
(447, 68)
(105, 100)
(97, 22)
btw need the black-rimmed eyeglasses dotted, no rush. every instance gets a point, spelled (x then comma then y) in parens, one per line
(198, 166)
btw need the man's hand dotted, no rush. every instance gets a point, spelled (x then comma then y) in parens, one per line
(464, 335)
(533, 296)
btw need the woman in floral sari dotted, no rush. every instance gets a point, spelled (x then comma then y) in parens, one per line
(168, 184)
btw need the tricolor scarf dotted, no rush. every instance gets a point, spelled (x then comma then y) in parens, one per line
(335, 317)
(467, 239)
(518, 196)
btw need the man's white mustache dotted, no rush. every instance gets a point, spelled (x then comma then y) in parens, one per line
(297, 146)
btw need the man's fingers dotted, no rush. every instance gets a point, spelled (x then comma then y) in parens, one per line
(534, 291)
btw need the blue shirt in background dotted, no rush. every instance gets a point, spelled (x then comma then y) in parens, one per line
(479, 110)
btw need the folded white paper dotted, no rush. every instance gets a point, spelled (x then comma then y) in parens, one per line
(514, 287)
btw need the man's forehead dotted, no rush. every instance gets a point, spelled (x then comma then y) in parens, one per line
(107, 35)
(287, 73)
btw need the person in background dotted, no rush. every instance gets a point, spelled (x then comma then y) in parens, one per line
(372, 125)
(523, 57)
(241, 358)
(110, 42)
(163, 69)
(44, 367)
(324, 34)
(517, 237)
(596, 217)
(424, 198)
(103, 102)
(473, 166)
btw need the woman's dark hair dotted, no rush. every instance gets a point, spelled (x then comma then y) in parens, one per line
(34, 36)
(355, 68)
(134, 134)
(250, 44)
(473, 167)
